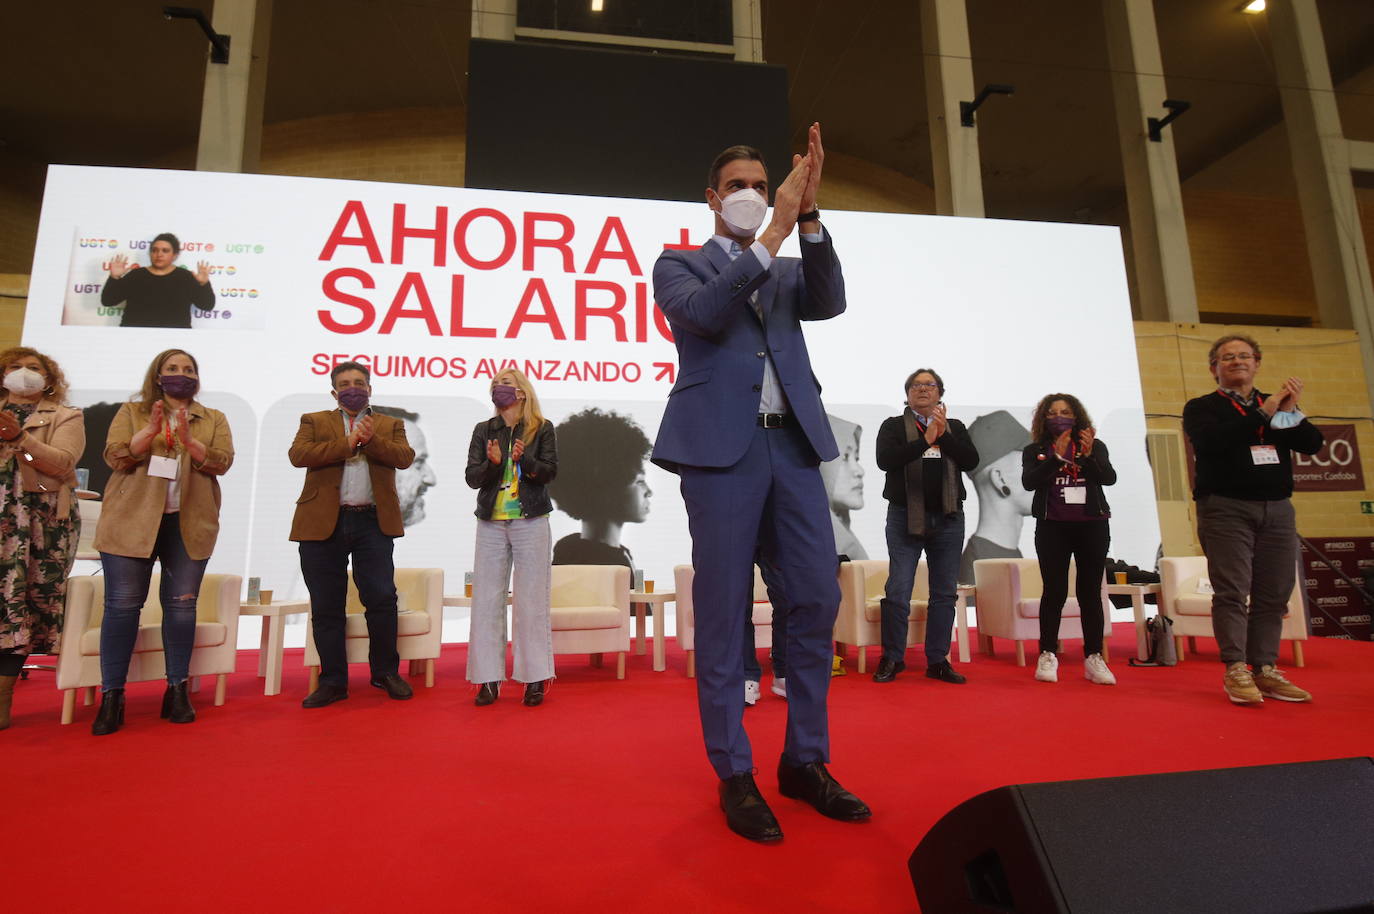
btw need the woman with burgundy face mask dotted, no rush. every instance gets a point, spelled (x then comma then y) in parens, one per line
(167, 451)
(1066, 466)
(41, 440)
(511, 461)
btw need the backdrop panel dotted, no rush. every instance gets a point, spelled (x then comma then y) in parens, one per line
(439, 288)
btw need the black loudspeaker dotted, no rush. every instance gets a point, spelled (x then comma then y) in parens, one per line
(1274, 838)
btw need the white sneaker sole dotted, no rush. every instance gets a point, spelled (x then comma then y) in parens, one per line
(1244, 701)
(1046, 677)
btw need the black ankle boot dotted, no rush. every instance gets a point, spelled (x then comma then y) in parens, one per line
(176, 704)
(534, 694)
(487, 693)
(111, 716)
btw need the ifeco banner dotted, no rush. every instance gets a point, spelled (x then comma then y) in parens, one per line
(438, 289)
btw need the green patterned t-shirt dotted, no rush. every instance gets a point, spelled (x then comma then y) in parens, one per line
(507, 505)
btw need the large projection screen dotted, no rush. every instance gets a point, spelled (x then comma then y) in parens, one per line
(438, 288)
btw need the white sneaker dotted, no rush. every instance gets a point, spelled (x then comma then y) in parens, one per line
(1047, 667)
(751, 691)
(1095, 671)
(779, 688)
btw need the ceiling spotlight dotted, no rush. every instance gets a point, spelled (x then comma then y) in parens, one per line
(1254, 6)
(600, 5)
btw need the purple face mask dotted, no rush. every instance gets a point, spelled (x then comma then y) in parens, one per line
(179, 386)
(1058, 425)
(353, 398)
(503, 395)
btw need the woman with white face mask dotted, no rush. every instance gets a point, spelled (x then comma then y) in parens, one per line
(41, 438)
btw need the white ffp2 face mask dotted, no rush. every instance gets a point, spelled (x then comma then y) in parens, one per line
(743, 211)
(24, 381)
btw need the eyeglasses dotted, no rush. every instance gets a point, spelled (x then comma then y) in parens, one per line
(925, 385)
(1236, 357)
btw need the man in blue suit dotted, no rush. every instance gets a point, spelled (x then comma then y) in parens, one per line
(745, 431)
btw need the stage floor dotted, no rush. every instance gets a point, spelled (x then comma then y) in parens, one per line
(601, 800)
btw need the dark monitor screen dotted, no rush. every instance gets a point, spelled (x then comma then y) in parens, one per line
(576, 120)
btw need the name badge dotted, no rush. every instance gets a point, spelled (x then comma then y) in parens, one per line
(1260, 454)
(932, 453)
(1076, 495)
(163, 467)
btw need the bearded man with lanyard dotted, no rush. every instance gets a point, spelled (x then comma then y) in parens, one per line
(924, 454)
(1243, 440)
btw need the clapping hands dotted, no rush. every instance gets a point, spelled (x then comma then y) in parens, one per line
(938, 424)
(362, 432)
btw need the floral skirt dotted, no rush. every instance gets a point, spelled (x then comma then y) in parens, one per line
(37, 546)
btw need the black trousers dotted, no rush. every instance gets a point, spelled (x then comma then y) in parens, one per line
(1086, 542)
(324, 565)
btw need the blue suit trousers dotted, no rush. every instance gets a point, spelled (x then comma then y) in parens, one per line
(772, 499)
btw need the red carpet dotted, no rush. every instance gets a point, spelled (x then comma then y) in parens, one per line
(601, 800)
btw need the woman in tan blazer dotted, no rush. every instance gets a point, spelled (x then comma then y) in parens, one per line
(167, 451)
(41, 439)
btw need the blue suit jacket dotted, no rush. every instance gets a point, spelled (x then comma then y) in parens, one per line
(712, 409)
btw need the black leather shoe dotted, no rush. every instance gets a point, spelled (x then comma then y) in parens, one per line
(111, 716)
(945, 673)
(888, 670)
(745, 810)
(534, 694)
(324, 694)
(487, 693)
(176, 704)
(395, 686)
(812, 783)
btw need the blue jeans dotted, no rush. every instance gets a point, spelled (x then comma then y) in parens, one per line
(942, 543)
(127, 579)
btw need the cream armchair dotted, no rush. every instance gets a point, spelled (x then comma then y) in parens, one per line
(1179, 599)
(419, 623)
(590, 611)
(762, 614)
(862, 585)
(1009, 593)
(214, 653)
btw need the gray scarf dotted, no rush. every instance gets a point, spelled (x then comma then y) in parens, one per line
(915, 489)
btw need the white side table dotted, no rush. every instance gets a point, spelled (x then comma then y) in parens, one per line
(270, 647)
(639, 602)
(1137, 593)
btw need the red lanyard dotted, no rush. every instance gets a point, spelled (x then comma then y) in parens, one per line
(1073, 461)
(1259, 401)
(167, 433)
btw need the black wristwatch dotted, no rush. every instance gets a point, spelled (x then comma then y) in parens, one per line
(809, 217)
